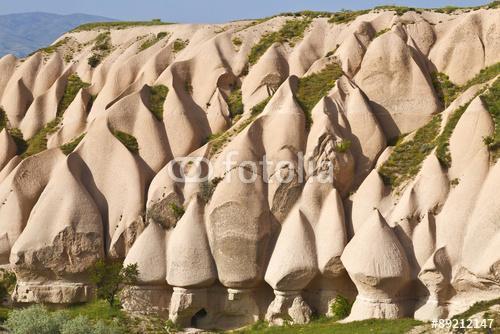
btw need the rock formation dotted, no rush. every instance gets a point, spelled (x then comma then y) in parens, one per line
(254, 174)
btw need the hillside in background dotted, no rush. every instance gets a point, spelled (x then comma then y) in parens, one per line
(21, 34)
(364, 164)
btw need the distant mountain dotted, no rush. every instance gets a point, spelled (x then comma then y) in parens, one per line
(21, 34)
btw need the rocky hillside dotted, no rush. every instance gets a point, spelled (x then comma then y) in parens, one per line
(22, 34)
(351, 154)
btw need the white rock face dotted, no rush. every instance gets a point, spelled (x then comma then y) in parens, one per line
(297, 206)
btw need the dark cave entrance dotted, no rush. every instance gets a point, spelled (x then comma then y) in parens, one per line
(197, 317)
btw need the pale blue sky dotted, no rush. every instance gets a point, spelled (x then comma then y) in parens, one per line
(203, 10)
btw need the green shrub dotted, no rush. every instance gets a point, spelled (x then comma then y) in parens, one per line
(3, 119)
(177, 210)
(117, 25)
(35, 319)
(109, 277)
(71, 145)
(400, 10)
(94, 60)
(18, 138)
(259, 107)
(78, 325)
(38, 142)
(314, 87)
(237, 41)
(235, 103)
(128, 140)
(157, 99)
(101, 49)
(152, 40)
(7, 283)
(485, 75)
(346, 16)
(381, 32)
(340, 308)
(446, 90)
(73, 86)
(218, 140)
(52, 48)
(491, 99)
(407, 157)
(207, 188)
(291, 32)
(493, 5)
(343, 146)
(443, 141)
(180, 44)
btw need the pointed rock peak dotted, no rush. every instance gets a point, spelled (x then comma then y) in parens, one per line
(384, 258)
(293, 263)
(190, 263)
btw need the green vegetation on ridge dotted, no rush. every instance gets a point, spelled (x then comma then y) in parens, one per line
(235, 103)
(118, 25)
(101, 49)
(291, 32)
(129, 141)
(70, 146)
(219, 140)
(157, 99)
(313, 88)
(492, 101)
(73, 86)
(330, 326)
(152, 40)
(407, 157)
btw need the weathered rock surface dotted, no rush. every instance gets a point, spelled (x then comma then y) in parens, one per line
(297, 207)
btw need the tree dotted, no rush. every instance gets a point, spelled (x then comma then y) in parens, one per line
(109, 278)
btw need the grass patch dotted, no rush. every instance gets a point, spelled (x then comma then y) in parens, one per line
(207, 188)
(407, 157)
(381, 32)
(311, 14)
(53, 48)
(153, 40)
(329, 326)
(128, 140)
(314, 87)
(177, 211)
(235, 103)
(341, 308)
(346, 16)
(219, 140)
(38, 142)
(18, 138)
(492, 101)
(485, 75)
(343, 146)
(73, 86)
(71, 145)
(157, 99)
(102, 48)
(3, 119)
(180, 44)
(237, 41)
(446, 90)
(491, 98)
(291, 32)
(97, 310)
(400, 10)
(443, 141)
(476, 308)
(118, 25)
